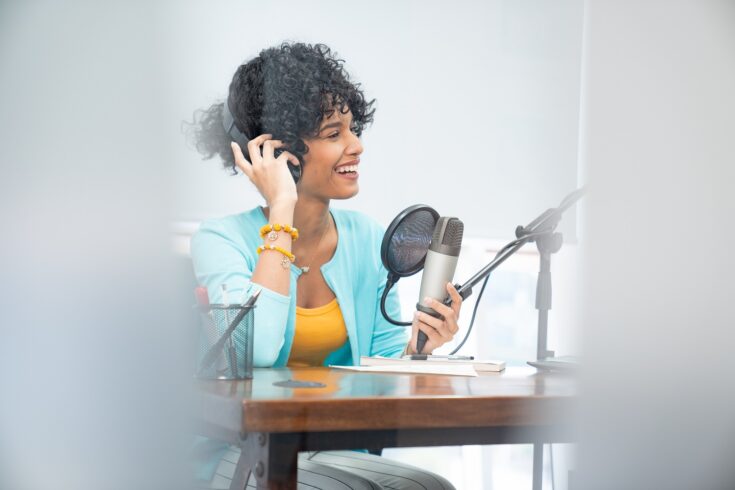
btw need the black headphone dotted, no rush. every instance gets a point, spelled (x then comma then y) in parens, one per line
(228, 121)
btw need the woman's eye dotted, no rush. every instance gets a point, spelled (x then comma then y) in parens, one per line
(354, 129)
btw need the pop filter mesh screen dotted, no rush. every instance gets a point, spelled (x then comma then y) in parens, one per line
(410, 241)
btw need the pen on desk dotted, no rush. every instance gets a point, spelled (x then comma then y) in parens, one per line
(428, 357)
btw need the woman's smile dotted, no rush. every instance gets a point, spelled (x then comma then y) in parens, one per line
(348, 170)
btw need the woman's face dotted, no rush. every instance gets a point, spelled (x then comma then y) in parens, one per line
(331, 165)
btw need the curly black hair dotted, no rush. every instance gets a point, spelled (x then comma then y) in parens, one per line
(286, 91)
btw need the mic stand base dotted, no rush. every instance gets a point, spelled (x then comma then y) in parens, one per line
(557, 363)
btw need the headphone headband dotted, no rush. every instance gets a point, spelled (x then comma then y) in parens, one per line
(231, 128)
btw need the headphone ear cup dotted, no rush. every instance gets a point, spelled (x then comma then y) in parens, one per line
(295, 172)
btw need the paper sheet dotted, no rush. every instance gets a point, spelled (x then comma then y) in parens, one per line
(428, 368)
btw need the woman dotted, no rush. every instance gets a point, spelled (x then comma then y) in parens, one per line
(321, 283)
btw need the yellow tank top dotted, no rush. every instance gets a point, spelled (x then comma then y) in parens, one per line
(318, 332)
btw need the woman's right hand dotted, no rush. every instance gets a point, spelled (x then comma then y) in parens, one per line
(269, 174)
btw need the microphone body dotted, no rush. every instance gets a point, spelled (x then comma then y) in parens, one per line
(441, 262)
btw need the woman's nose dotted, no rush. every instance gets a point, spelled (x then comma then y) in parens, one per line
(355, 146)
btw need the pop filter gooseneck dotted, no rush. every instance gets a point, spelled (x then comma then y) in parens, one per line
(404, 248)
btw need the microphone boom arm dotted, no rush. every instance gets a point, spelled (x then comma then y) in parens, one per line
(542, 231)
(544, 224)
(465, 290)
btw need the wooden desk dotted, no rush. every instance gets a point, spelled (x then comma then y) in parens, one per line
(366, 410)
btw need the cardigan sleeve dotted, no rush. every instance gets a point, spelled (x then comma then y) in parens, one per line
(388, 340)
(219, 258)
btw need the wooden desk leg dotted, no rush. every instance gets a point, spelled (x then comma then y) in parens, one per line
(272, 458)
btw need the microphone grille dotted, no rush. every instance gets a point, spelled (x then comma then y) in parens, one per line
(453, 233)
(448, 231)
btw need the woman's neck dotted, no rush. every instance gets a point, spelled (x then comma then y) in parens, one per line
(311, 217)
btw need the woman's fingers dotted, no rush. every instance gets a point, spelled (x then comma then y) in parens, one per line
(448, 313)
(438, 330)
(456, 298)
(269, 146)
(288, 157)
(269, 174)
(240, 160)
(435, 339)
(254, 148)
(446, 329)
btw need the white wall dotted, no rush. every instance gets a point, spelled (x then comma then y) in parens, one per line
(477, 110)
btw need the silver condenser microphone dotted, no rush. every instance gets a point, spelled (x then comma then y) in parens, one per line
(441, 262)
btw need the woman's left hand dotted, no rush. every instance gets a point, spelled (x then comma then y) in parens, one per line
(437, 330)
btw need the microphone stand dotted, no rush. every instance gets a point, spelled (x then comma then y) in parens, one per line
(542, 231)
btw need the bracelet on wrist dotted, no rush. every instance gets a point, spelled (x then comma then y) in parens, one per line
(288, 257)
(272, 231)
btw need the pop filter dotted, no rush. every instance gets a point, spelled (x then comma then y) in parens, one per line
(407, 239)
(405, 245)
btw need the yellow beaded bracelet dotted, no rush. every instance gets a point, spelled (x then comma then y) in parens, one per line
(272, 231)
(287, 256)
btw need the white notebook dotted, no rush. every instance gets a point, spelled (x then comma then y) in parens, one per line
(416, 368)
(481, 366)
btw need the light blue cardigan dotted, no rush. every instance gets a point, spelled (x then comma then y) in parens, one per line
(224, 252)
